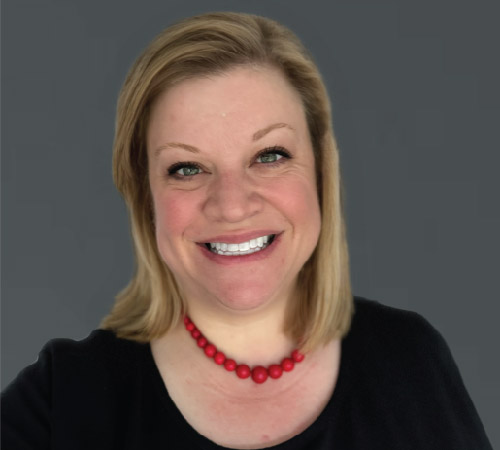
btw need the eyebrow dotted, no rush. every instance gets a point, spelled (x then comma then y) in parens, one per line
(192, 149)
(261, 133)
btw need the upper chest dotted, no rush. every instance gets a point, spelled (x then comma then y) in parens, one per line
(241, 414)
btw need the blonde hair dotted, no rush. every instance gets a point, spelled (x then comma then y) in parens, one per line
(212, 43)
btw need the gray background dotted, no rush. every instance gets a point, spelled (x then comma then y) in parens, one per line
(416, 100)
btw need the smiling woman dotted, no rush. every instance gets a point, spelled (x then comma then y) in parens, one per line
(231, 196)
(208, 99)
(238, 328)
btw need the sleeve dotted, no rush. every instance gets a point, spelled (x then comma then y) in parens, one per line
(26, 407)
(408, 392)
(455, 421)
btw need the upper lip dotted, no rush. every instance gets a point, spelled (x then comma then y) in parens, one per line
(239, 238)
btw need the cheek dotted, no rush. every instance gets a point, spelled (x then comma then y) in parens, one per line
(299, 201)
(173, 214)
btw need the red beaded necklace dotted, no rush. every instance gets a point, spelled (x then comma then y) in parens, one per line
(259, 373)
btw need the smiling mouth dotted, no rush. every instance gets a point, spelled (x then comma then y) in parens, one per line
(243, 248)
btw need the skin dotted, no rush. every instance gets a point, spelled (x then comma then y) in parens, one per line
(234, 193)
(232, 190)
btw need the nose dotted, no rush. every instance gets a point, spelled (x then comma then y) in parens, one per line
(232, 197)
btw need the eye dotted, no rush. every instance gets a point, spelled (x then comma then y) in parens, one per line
(273, 155)
(184, 170)
(269, 157)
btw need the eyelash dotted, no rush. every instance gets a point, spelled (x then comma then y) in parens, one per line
(270, 150)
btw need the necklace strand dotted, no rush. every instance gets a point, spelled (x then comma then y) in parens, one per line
(259, 374)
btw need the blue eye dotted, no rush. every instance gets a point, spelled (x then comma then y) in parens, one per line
(188, 170)
(184, 170)
(272, 155)
(269, 157)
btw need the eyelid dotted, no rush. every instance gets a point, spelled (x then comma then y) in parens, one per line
(171, 171)
(179, 165)
(275, 149)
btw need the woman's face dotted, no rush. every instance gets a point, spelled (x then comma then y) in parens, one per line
(231, 165)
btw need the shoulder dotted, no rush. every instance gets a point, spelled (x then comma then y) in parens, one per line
(377, 315)
(72, 382)
(399, 352)
(99, 344)
(101, 360)
(396, 339)
(399, 361)
(385, 323)
(100, 355)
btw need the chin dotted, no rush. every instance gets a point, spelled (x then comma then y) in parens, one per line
(245, 298)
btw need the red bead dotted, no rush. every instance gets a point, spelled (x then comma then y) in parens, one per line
(230, 365)
(210, 350)
(297, 356)
(287, 364)
(243, 371)
(219, 358)
(196, 333)
(259, 374)
(275, 371)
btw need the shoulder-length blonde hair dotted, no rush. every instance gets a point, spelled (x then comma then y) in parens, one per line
(210, 44)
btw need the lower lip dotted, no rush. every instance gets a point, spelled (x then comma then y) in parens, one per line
(237, 259)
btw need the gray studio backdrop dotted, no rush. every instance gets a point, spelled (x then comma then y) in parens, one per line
(416, 102)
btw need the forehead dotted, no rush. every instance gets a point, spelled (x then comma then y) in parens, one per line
(233, 104)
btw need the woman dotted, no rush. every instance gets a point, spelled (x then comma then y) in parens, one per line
(239, 328)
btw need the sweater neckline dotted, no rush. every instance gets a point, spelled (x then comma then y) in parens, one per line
(327, 416)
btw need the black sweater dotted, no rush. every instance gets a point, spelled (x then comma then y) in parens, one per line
(398, 388)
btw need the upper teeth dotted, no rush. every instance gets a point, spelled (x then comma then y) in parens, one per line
(256, 243)
(244, 248)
